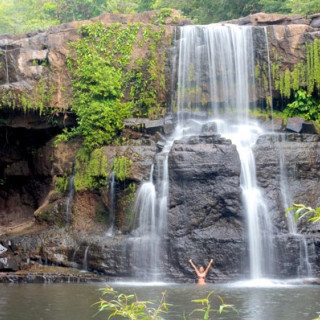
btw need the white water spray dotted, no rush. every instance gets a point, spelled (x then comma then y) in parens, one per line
(216, 70)
(146, 240)
(112, 204)
(304, 268)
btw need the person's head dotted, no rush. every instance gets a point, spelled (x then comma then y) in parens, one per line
(201, 269)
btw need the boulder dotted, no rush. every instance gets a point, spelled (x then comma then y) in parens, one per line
(299, 125)
(205, 218)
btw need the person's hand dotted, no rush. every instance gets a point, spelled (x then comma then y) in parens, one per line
(211, 260)
(190, 260)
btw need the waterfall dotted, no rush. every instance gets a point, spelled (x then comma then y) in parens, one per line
(112, 204)
(216, 77)
(151, 210)
(269, 75)
(304, 268)
(2, 249)
(70, 196)
(146, 237)
(85, 259)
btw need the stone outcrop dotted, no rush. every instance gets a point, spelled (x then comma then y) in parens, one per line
(205, 213)
(205, 218)
(290, 163)
(42, 55)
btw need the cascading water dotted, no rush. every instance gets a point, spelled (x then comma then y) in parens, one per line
(112, 202)
(216, 74)
(146, 237)
(304, 268)
(151, 215)
(85, 259)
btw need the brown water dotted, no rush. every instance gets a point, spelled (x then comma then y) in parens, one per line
(74, 301)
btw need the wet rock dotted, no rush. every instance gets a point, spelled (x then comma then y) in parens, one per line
(315, 20)
(205, 214)
(299, 125)
(274, 125)
(210, 127)
(295, 124)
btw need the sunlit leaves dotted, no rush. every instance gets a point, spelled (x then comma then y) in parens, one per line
(302, 211)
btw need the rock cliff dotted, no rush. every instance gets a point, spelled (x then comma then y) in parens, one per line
(205, 212)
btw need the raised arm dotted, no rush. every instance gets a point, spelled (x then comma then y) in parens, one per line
(194, 267)
(208, 267)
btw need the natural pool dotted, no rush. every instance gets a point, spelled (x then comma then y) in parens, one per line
(268, 301)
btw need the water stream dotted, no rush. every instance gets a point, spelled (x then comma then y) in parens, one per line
(112, 202)
(146, 237)
(216, 73)
(85, 259)
(304, 269)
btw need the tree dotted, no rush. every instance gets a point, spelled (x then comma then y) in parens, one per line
(275, 6)
(304, 7)
(19, 16)
(122, 6)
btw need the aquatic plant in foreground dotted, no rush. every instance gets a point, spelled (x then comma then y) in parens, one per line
(130, 307)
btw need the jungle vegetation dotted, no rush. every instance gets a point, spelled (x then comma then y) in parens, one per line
(20, 16)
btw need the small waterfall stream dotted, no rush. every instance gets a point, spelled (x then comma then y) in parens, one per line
(146, 238)
(85, 259)
(151, 210)
(304, 269)
(112, 202)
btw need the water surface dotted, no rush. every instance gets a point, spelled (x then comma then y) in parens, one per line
(268, 301)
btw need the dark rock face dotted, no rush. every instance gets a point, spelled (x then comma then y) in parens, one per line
(205, 216)
(290, 162)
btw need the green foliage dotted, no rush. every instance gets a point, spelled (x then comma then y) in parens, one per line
(62, 183)
(207, 310)
(105, 76)
(148, 76)
(130, 307)
(125, 221)
(39, 99)
(122, 167)
(18, 16)
(160, 16)
(121, 6)
(304, 7)
(304, 105)
(302, 211)
(271, 6)
(98, 81)
(91, 170)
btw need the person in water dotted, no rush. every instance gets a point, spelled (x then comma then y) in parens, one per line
(201, 273)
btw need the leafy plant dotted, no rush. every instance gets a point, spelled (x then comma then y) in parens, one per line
(122, 167)
(303, 105)
(91, 170)
(129, 307)
(302, 211)
(206, 310)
